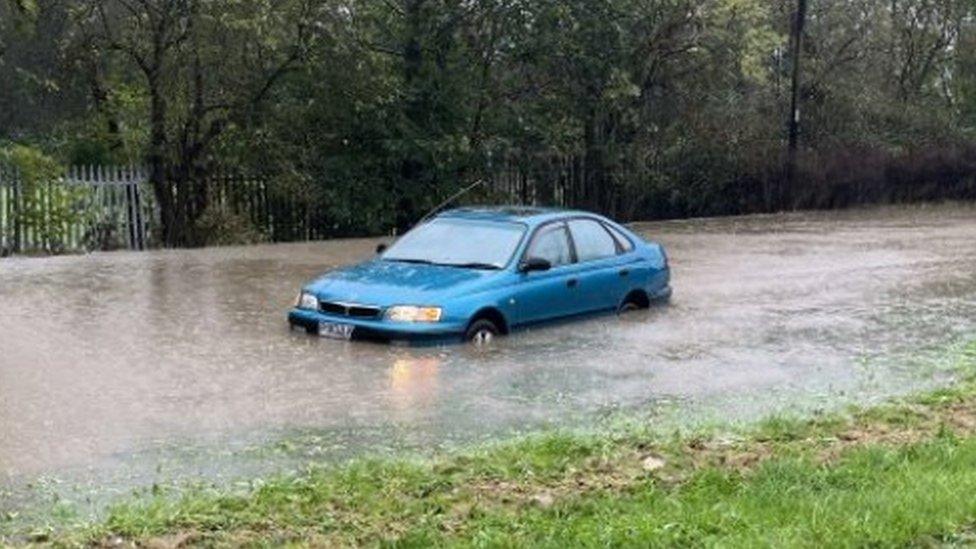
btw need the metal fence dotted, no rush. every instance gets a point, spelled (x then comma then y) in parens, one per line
(552, 181)
(278, 214)
(88, 207)
(114, 207)
(565, 181)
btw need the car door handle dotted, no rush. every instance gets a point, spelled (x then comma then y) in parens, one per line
(624, 272)
(572, 282)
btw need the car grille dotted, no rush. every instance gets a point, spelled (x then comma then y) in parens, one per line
(349, 309)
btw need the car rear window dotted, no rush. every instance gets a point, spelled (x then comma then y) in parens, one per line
(625, 243)
(592, 240)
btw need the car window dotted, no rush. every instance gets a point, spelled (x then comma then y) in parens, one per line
(552, 244)
(592, 240)
(625, 243)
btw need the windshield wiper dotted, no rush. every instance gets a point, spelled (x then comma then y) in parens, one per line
(475, 265)
(408, 260)
(471, 265)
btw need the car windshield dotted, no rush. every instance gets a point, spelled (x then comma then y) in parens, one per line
(468, 243)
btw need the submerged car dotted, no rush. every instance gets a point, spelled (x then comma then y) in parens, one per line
(475, 273)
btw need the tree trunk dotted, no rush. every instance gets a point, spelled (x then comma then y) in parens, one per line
(794, 123)
(100, 97)
(157, 166)
(411, 168)
(594, 162)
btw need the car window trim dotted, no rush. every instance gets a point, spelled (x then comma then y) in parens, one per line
(616, 245)
(534, 233)
(614, 231)
(537, 232)
(572, 243)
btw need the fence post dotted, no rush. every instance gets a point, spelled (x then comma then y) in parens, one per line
(139, 221)
(4, 212)
(15, 210)
(48, 222)
(4, 199)
(130, 216)
(140, 228)
(150, 206)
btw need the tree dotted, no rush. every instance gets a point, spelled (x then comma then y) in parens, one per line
(37, 95)
(370, 112)
(203, 66)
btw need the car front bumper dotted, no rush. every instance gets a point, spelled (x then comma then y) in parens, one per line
(378, 330)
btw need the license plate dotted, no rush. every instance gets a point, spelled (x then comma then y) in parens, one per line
(333, 330)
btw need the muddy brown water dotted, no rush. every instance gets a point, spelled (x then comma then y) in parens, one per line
(125, 369)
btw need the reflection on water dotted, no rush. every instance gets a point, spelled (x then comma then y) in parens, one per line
(111, 364)
(413, 383)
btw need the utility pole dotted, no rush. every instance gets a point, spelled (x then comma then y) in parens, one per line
(796, 46)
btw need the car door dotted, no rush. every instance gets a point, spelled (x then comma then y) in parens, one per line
(544, 295)
(602, 275)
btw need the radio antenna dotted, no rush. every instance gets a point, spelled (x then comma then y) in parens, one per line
(452, 198)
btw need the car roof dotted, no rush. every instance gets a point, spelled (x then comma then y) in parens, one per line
(532, 215)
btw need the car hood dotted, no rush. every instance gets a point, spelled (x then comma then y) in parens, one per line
(384, 283)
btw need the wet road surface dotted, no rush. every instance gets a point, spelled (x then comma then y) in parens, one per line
(120, 369)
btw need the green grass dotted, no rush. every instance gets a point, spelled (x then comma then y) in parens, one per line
(894, 475)
(526, 493)
(875, 495)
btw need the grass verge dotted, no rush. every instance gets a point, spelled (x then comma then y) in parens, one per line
(903, 473)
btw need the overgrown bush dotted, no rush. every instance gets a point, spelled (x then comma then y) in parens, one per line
(46, 208)
(217, 227)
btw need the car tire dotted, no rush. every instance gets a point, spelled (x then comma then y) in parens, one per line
(481, 332)
(630, 304)
(627, 307)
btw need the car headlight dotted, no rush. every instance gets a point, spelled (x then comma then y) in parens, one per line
(307, 301)
(410, 313)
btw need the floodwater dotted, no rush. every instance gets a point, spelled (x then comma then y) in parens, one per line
(127, 369)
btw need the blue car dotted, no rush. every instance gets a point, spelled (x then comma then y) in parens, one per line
(477, 273)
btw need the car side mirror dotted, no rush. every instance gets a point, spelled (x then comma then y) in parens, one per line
(535, 264)
(381, 247)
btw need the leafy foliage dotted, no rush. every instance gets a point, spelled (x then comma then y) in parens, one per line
(378, 110)
(47, 207)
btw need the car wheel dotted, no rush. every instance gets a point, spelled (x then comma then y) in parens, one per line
(481, 332)
(627, 307)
